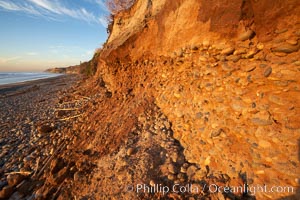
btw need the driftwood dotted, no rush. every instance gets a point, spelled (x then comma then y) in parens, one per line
(47, 161)
(22, 173)
(37, 167)
(72, 117)
(67, 109)
(55, 195)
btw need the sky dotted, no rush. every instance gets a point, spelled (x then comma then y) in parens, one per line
(40, 34)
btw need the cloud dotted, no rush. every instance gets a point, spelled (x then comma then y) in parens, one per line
(6, 60)
(54, 9)
(11, 6)
(32, 53)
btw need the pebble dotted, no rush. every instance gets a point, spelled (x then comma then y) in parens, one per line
(268, 72)
(261, 122)
(249, 68)
(264, 144)
(292, 41)
(234, 58)
(6, 192)
(285, 48)
(171, 177)
(45, 129)
(247, 35)
(276, 99)
(130, 151)
(172, 169)
(281, 31)
(227, 51)
(251, 53)
(191, 171)
(15, 179)
(297, 63)
(152, 183)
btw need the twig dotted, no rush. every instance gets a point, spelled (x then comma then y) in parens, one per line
(57, 191)
(22, 173)
(37, 167)
(49, 159)
(67, 108)
(67, 118)
(86, 97)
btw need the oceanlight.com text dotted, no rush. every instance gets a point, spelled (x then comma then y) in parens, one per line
(211, 188)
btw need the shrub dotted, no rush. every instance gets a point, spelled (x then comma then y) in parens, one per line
(115, 6)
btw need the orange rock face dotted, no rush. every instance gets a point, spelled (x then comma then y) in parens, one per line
(225, 73)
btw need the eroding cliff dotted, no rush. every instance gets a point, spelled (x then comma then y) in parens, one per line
(224, 73)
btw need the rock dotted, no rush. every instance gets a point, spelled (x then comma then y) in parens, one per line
(191, 171)
(292, 41)
(261, 122)
(171, 177)
(280, 54)
(240, 51)
(45, 129)
(264, 144)
(172, 169)
(260, 46)
(61, 113)
(281, 31)
(199, 115)
(200, 174)
(247, 35)
(152, 183)
(277, 100)
(249, 68)
(216, 133)
(183, 170)
(251, 53)
(6, 192)
(130, 151)
(268, 72)
(108, 94)
(227, 51)
(226, 67)
(285, 48)
(297, 63)
(15, 179)
(233, 58)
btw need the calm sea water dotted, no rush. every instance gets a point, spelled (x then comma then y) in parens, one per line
(17, 77)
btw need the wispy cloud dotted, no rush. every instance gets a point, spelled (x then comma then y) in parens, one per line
(54, 9)
(32, 53)
(10, 59)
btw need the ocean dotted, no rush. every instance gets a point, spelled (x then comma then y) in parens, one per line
(17, 77)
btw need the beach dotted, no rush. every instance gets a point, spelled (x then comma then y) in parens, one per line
(28, 111)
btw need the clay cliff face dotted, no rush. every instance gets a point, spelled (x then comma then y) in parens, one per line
(224, 72)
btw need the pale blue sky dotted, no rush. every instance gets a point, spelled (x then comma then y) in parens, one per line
(40, 34)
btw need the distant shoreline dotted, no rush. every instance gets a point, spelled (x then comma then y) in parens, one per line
(21, 77)
(13, 87)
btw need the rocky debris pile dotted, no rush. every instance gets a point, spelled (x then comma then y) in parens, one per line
(149, 157)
